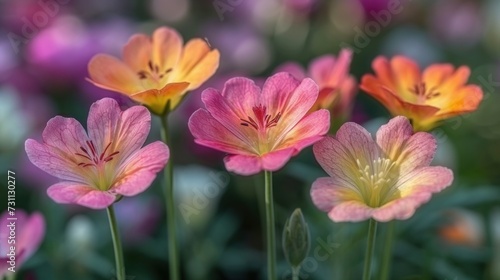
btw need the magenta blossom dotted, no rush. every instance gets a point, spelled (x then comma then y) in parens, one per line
(261, 130)
(108, 162)
(22, 232)
(383, 179)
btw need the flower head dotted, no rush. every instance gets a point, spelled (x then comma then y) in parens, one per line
(336, 87)
(107, 162)
(28, 230)
(438, 93)
(384, 179)
(156, 71)
(261, 130)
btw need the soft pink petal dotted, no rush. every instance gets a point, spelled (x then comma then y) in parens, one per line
(330, 72)
(277, 91)
(140, 169)
(350, 211)
(226, 115)
(401, 209)
(276, 160)
(326, 193)
(126, 131)
(428, 179)
(71, 192)
(321, 68)
(211, 133)
(338, 156)
(293, 68)
(310, 128)
(29, 235)
(65, 134)
(408, 150)
(243, 164)
(242, 95)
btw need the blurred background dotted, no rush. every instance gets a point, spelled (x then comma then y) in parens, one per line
(44, 49)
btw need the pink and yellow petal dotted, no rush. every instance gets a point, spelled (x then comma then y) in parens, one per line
(140, 169)
(112, 74)
(75, 193)
(326, 193)
(275, 160)
(198, 63)
(243, 164)
(167, 47)
(137, 52)
(434, 75)
(311, 129)
(211, 133)
(426, 179)
(408, 74)
(157, 100)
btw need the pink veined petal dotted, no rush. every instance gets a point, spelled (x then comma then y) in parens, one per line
(358, 142)
(126, 131)
(408, 150)
(137, 52)
(140, 169)
(425, 179)
(402, 208)
(77, 193)
(52, 161)
(293, 68)
(275, 160)
(311, 128)
(242, 95)
(284, 94)
(224, 113)
(243, 164)
(350, 211)
(211, 133)
(326, 193)
(65, 134)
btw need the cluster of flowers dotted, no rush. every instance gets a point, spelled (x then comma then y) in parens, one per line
(387, 177)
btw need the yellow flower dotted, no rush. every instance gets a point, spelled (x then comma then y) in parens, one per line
(156, 71)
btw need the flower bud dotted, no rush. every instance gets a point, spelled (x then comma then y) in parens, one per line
(296, 239)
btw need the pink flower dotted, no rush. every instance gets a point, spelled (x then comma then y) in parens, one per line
(28, 231)
(108, 162)
(261, 130)
(336, 87)
(383, 179)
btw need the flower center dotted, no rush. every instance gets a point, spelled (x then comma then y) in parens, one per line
(262, 120)
(375, 180)
(421, 91)
(92, 158)
(99, 174)
(153, 72)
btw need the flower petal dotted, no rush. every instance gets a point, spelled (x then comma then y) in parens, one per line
(167, 47)
(275, 160)
(463, 100)
(108, 124)
(326, 193)
(243, 164)
(383, 72)
(137, 52)
(157, 100)
(408, 74)
(329, 71)
(198, 63)
(293, 68)
(350, 211)
(426, 179)
(402, 208)
(310, 128)
(112, 74)
(71, 192)
(140, 169)
(434, 75)
(408, 150)
(30, 235)
(211, 133)
(242, 94)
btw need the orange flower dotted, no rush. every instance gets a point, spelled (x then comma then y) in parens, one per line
(439, 92)
(156, 71)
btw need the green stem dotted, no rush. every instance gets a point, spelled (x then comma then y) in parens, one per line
(10, 276)
(386, 259)
(170, 206)
(120, 265)
(271, 236)
(372, 232)
(295, 273)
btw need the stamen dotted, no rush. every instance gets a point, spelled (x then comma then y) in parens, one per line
(420, 89)
(262, 119)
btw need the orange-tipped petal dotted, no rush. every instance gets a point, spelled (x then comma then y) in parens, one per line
(110, 73)
(434, 75)
(167, 47)
(156, 100)
(456, 80)
(408, 73)
(383, 71)
(137, 52)
(198, 63)
(466, 99)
